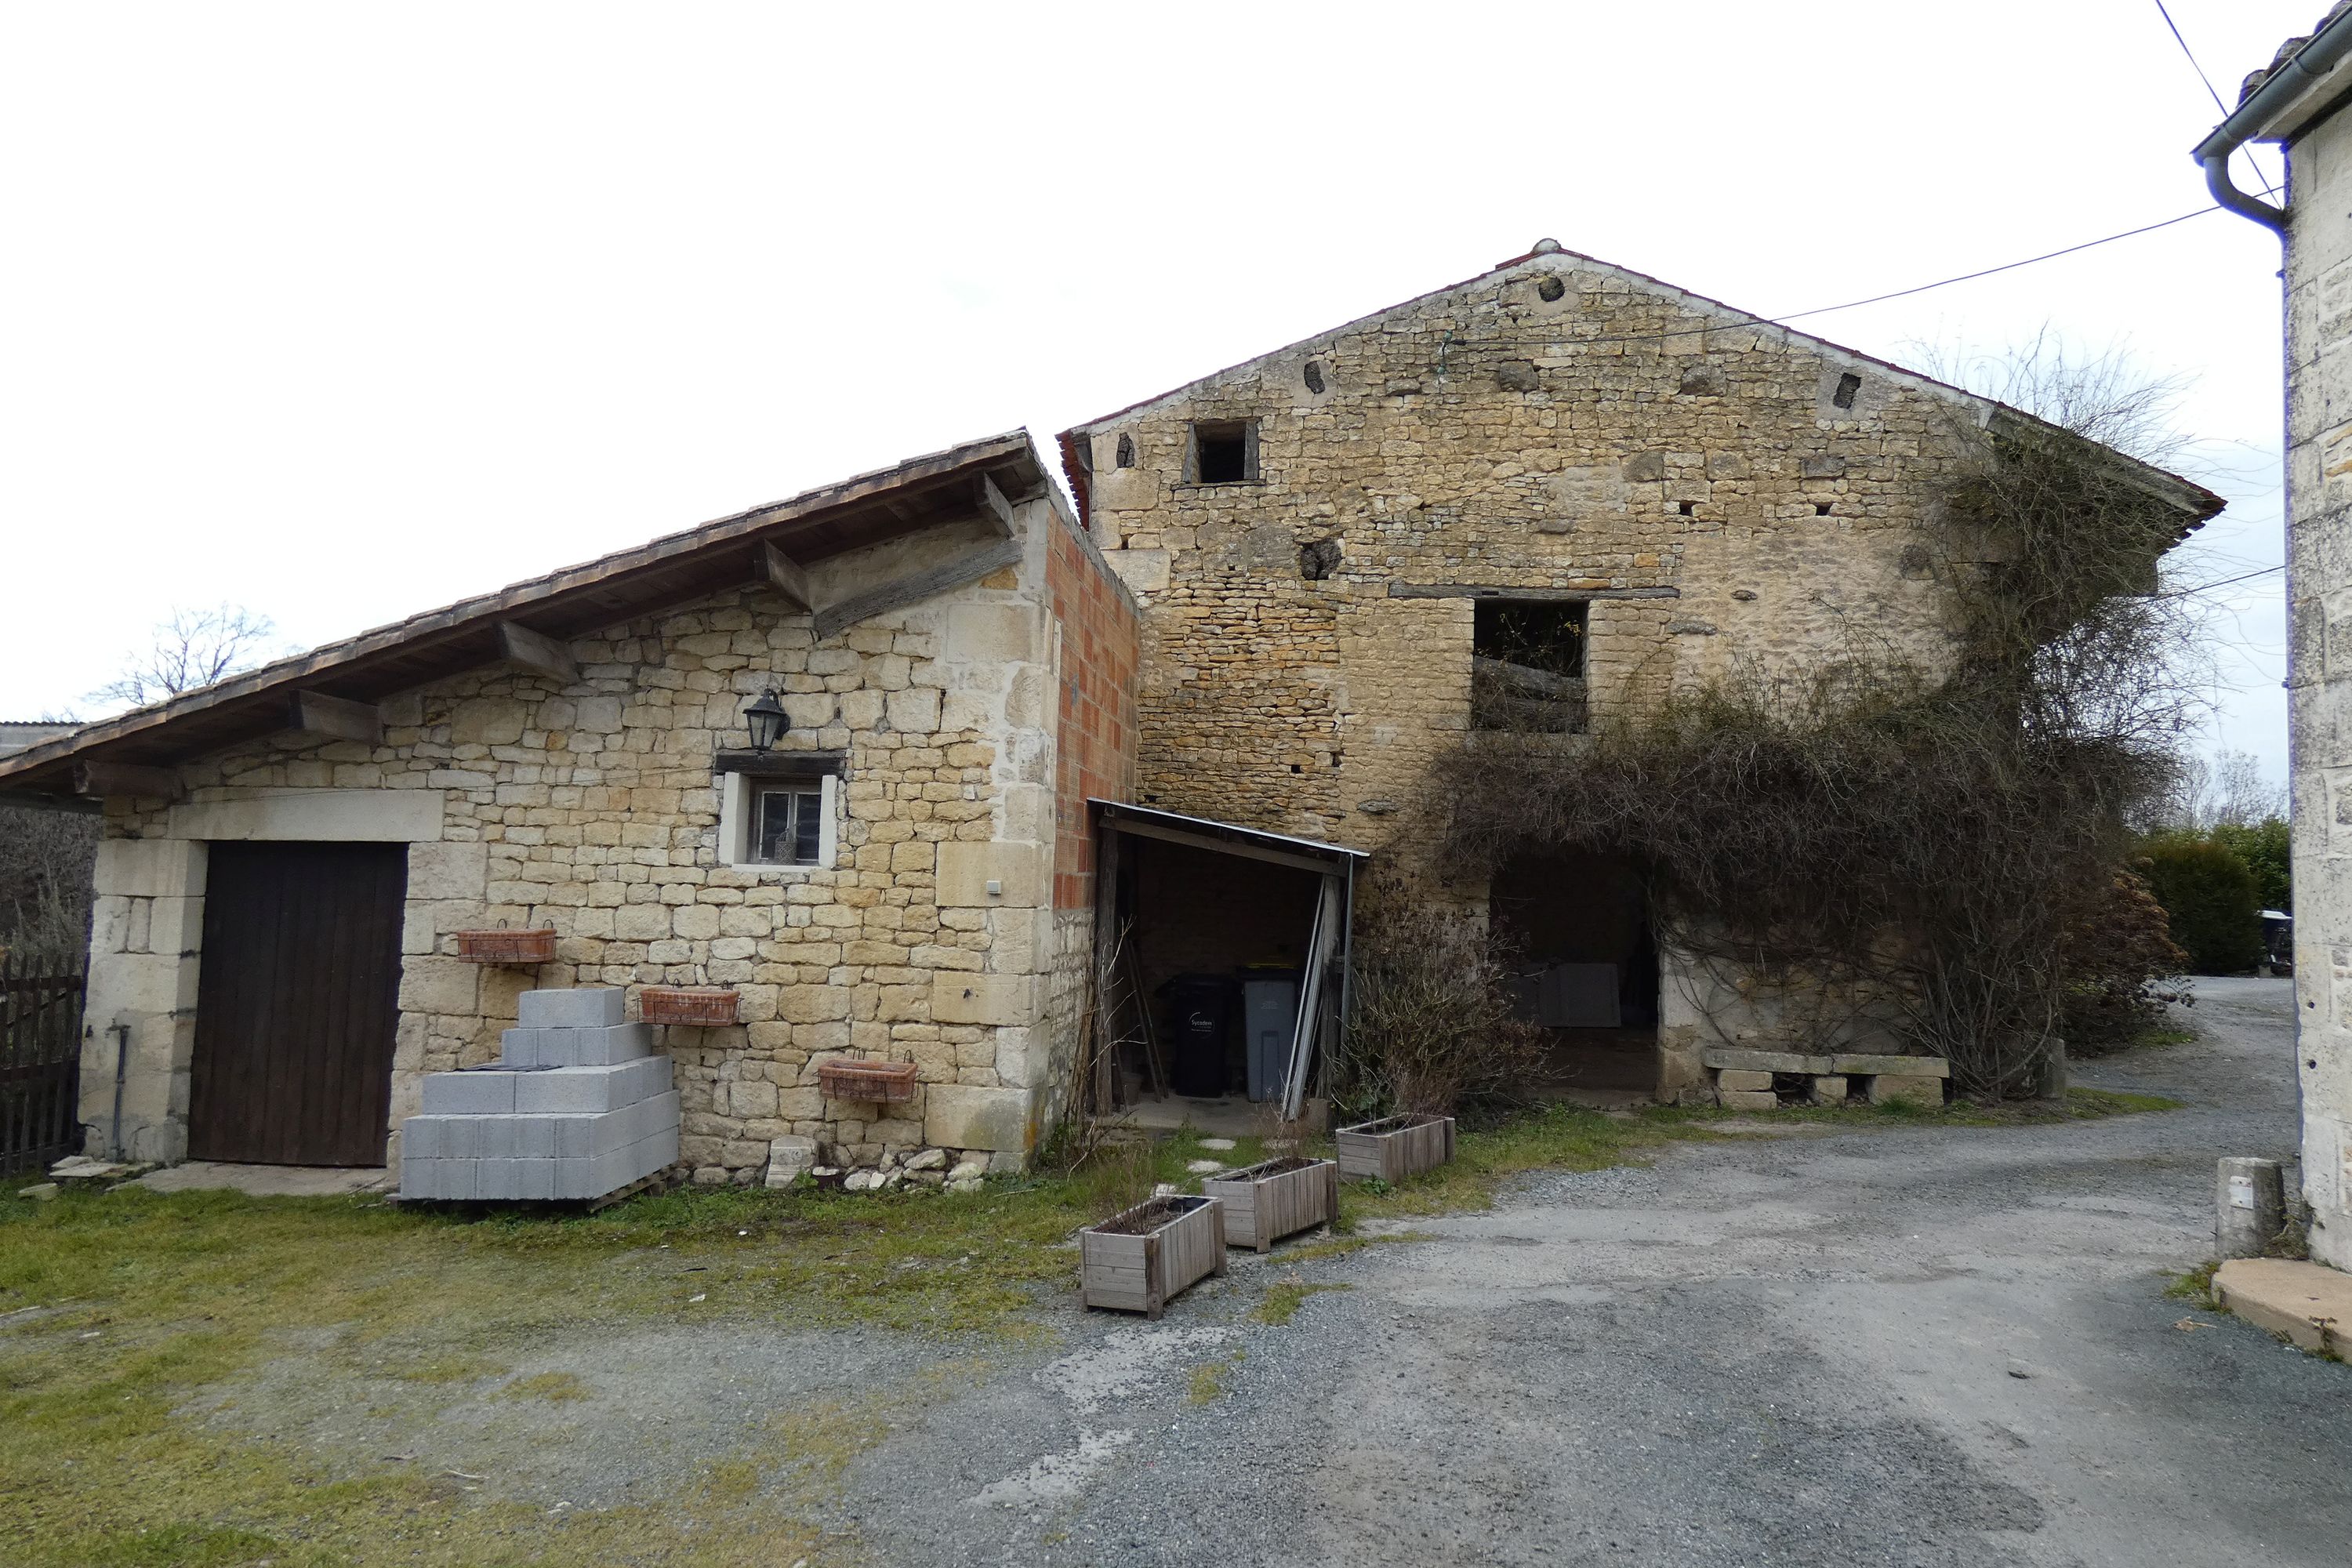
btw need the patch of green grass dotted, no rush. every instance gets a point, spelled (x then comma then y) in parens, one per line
(1284, 1298)
(1208, 1382)
(555, 1387)
(1573, 1138)
(2196, 1285)
(189, 1546)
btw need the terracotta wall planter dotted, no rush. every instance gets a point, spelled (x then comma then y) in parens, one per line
(518, 947)
(1141, 1257)
(1265, 1202)
(1396, 1147)
(701, 1006)
(846, 1080)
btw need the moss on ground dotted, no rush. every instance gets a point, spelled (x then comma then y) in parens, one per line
(132, 1307)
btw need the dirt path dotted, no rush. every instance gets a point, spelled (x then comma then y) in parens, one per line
(1912, 1347)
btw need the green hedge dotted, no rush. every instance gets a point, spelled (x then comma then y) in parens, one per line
(2211, 901)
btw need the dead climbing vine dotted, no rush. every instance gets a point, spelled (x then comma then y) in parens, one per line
(1922, 846)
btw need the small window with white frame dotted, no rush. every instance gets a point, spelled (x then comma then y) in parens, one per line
(778, 819)
(787, 821)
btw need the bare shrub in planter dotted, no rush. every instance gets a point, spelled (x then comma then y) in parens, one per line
(1267, 1201)
(1141, 1257)
(1435, 1025)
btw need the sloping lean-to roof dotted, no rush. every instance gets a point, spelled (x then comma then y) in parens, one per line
(2194, 500)
(871, 509)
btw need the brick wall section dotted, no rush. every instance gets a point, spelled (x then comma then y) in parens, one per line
(1096, 742)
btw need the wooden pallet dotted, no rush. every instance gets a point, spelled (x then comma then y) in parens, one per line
(661, 1181)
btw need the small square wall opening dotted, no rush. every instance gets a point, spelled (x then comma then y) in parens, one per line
(1224, 451)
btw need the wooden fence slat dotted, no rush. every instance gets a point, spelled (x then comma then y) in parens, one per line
(40, 1065)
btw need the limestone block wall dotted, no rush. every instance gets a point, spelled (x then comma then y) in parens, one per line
(2319, 678)
(592, 807)
(1733, 496)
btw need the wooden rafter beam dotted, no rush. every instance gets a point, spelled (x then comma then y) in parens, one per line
(99, 780)
(536, 652)
(993, 503)
(316, 713)
(916, 586)
(787, 578)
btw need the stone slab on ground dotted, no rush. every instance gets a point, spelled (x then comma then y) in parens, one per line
(2310, 1303)
(268, 1180)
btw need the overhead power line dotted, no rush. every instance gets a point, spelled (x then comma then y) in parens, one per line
(2223, 582)
(2209, 90)
(1903, 293)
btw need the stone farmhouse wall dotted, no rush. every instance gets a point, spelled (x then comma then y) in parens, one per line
(1732, 498)
(592, 807)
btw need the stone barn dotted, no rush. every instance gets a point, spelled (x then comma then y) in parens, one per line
(322, 881)
(1542, 497)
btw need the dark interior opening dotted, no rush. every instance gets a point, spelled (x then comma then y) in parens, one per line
(1586, 967)
(1221, 451)
(1527, 665)
(1217, 945)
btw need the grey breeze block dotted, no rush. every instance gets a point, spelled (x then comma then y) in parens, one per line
(487, 1179)
(490, 1091)
(538, 1135)
(561, 1047)
(580, 1007)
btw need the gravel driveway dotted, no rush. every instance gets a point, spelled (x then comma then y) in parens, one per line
(1946, 1346)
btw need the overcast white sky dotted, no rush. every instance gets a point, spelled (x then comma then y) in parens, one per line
(344, 311)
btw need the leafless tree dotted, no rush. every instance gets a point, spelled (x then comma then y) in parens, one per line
(193, 648)
(2229, 790)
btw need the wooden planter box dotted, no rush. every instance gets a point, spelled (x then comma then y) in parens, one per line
(1141, 1257)
(1265, 1202)
(844, 1079)
(1396, 1147)
(520, 947)
(701, 1006)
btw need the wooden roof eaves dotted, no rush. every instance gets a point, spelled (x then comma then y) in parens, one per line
(602, 582)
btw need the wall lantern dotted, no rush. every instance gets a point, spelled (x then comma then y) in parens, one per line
(767, 720)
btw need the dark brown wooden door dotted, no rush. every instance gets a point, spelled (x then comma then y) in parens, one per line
(296, 1003)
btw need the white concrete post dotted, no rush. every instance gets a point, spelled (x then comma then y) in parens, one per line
(2248, 1207)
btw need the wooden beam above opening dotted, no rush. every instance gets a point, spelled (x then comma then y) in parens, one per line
(101, 780)
(1552, 595)
(316, 713)
(787, 578)
(536, 652)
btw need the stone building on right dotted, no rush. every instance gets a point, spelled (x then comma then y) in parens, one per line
(1542, 499)
(2296, 102)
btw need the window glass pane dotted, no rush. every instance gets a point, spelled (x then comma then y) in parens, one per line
(773, 843)
(808, 815)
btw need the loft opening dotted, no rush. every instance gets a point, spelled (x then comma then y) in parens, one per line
(1528, 665)
(1222, 451)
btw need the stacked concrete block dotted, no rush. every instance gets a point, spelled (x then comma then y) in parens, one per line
(576, 1107)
